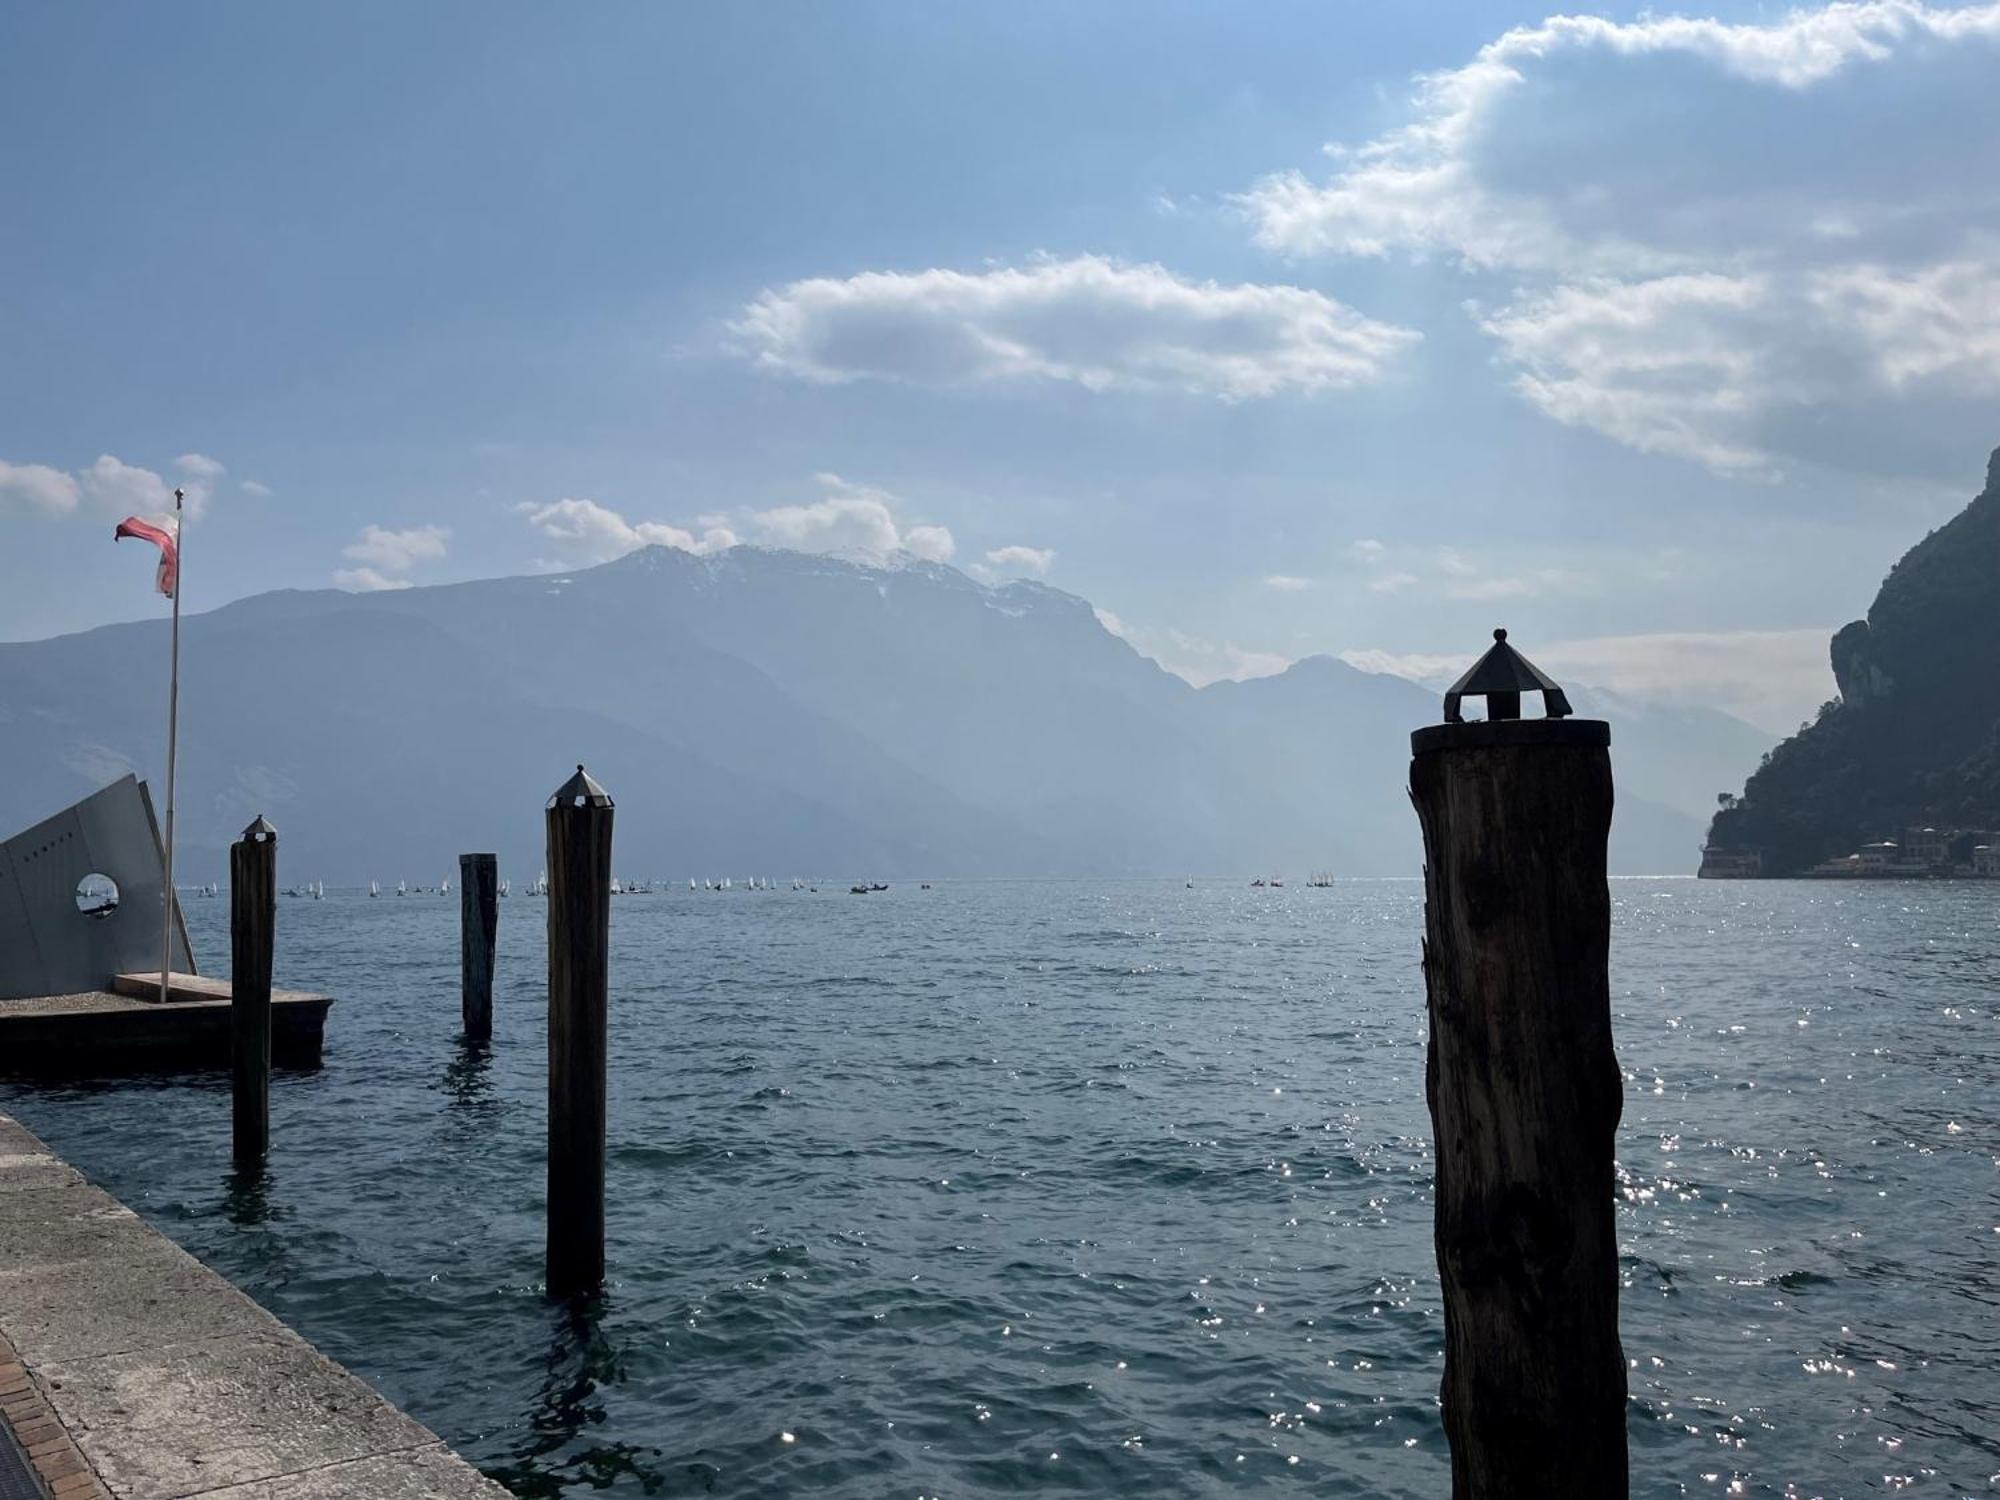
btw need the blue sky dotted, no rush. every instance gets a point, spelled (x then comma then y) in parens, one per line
(1655, 339)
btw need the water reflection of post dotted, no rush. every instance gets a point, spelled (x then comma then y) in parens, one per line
(246, 1194)
(581, 1361)
(468, 1077)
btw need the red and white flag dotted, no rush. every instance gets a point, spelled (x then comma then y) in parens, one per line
(170, 559)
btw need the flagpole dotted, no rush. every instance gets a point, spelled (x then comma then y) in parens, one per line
(173, 736)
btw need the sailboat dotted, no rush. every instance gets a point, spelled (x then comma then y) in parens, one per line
(374, 889)
(402, 888)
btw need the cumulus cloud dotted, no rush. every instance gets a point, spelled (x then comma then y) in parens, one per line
(1287, 583)
(1091, 321)
(852, 519)
(398, 551)
(1809, 247)
(252, 487)
(366, 580)
(113, 486)
(1035, 562)
(587, 532)
(39, 486)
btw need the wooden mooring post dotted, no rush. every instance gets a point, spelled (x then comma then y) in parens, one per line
(253, 910)
(579, 861)
(478, 924)
(1524, 1090)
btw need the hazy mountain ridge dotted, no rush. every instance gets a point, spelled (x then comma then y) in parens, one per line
(1914, 737)
(753, 711)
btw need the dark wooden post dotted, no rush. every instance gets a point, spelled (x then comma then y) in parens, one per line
(253, 910)
(1524, 1094)
(579, 857)
(478, 923)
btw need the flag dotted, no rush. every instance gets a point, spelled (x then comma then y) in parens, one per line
(170, 561)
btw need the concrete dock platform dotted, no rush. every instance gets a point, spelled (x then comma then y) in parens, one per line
(116, 1029)
(130, 1371)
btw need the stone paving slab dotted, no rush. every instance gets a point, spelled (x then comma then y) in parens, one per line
(115, 1303)
(177, 1420)
(56, 1225)
(419, 1474)
(24, 1171)
(148, 1377)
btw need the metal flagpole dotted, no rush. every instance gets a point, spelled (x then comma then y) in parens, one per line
(173, 735)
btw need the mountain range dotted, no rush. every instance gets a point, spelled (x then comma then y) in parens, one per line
(768, 712)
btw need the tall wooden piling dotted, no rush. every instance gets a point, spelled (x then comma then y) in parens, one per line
(579, 901)
(1524, 1090)
(253, 910)
(478, 925)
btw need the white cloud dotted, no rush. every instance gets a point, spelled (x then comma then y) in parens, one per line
(851, 519)
(1367, 549)
(252, 487)
(114, 487)
(366, 580)
(1432, 669)
(931, 543)
(856, 520)
(587, 532)
(1391, 583)
(1098, 323)
(1734, 243)
(1774, 679)
(398, 551)
(38, 485)
(1286, 583)
(1192, 658)
(1033, 561)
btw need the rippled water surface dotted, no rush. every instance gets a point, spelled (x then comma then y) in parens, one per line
(1103, 1190)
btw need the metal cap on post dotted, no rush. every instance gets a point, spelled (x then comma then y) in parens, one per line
(1500, 677)
(579, 819)
(1523, 1087)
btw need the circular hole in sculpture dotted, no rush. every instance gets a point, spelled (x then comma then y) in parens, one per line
(97, 896)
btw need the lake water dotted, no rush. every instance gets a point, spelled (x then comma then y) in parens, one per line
(1103, 1190)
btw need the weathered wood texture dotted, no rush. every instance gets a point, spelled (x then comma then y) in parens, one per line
(579, 902)
(1525, 1095)
(253, 908)
(478, 925)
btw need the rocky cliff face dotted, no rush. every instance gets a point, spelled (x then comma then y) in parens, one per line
(1914, 737)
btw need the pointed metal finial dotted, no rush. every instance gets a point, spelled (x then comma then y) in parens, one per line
(581, 790)
(259, 831)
